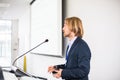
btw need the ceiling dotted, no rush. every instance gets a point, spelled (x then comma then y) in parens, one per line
(12, 9)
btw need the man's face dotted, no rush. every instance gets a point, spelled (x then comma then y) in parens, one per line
(66, 30)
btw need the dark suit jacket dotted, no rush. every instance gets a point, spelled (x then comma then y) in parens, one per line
(77, 66)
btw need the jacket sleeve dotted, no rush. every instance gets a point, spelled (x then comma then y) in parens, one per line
(61, 66)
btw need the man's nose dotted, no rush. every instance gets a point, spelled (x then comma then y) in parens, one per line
(63, 29)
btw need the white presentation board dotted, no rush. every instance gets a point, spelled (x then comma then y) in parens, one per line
(46, 23)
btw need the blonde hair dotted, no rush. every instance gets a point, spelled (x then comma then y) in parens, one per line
(75, 25)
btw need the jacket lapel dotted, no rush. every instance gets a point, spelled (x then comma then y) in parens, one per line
(73, 46)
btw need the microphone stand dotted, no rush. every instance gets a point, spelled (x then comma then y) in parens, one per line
(19, 72)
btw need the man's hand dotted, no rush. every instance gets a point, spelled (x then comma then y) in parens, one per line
(51, 69)
(58, 74)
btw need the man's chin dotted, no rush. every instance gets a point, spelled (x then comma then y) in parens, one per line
(65, 36)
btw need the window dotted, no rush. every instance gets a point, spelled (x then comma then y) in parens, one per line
(5, 43)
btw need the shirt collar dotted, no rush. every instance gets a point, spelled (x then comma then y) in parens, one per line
(72, 41)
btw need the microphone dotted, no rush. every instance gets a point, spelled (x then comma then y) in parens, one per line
(19, 72)
(29, 51)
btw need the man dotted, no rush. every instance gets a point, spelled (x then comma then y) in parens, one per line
(78, 54)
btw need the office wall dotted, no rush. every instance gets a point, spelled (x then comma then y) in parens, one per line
(24, 33)
(101, 20)
(101, 25)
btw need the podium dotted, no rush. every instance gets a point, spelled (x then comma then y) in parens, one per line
(18, 75)
(9, 76)
(1, 74)
(29, 78)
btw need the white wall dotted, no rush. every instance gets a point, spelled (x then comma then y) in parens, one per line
(24, 33)
(101, 25)
(101, 20)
